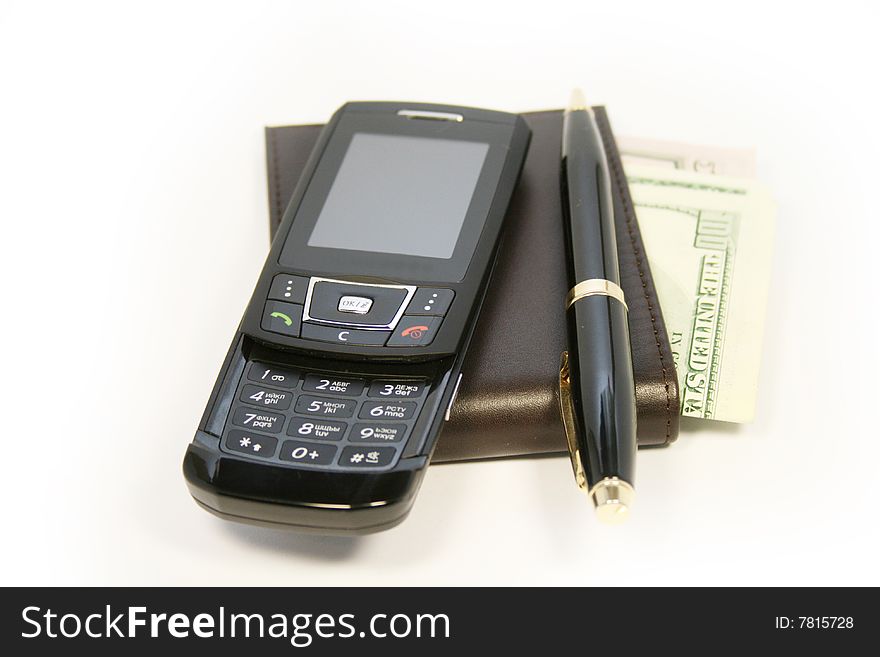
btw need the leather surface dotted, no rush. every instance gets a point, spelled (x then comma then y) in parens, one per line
(508, 403)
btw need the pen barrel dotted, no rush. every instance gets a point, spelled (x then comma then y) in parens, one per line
(602, 387)
(587, 201)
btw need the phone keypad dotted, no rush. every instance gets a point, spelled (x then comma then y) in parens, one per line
(322, 420)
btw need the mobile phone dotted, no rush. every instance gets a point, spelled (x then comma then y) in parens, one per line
(337, 383)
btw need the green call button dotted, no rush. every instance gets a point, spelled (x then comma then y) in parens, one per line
(281, 317)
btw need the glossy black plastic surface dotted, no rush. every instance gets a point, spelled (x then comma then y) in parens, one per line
(508, 136)
(587, 188)
(602, 388)
(600, 357)
(324, 502)
(240, 487)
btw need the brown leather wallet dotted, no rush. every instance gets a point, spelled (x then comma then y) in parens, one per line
(508, 401)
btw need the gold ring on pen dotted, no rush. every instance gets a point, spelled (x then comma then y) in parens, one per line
(595, 287)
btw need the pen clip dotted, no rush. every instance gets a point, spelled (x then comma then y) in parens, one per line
(566, 409)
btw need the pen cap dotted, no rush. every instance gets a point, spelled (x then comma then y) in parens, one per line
(587, 201)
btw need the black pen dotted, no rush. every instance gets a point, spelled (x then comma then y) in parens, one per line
(597, 389)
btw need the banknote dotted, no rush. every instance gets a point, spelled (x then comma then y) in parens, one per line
(709, 241)
(687, 157)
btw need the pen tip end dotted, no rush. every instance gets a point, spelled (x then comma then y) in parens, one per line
(612, 498)
(612, 513)
(578, 101)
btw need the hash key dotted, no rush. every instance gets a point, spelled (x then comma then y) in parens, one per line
(366, 457)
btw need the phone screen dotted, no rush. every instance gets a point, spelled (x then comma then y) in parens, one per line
(400, 194)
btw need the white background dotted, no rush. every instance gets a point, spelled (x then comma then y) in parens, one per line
(134, 224)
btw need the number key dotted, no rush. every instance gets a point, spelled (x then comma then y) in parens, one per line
(316, 429)
(310, 405)
(273, 375)
(396, 389)
(266, 397)
(388, 410)
(314, 453)
(378, 433)
(253, 418)
(333, 384)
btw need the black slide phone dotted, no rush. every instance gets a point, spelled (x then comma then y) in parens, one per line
(336, 385)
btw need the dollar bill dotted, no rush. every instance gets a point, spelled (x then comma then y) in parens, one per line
(687, 157)
(709, 241)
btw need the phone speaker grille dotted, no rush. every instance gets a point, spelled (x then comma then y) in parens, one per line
(431, 116)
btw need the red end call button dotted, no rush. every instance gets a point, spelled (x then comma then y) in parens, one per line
(413, 331)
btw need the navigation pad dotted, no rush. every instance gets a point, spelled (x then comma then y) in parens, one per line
(368, 305)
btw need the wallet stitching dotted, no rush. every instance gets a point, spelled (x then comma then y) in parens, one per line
(629, 212)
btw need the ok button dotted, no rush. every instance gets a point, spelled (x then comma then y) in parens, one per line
(356, 305)
(340, 335)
